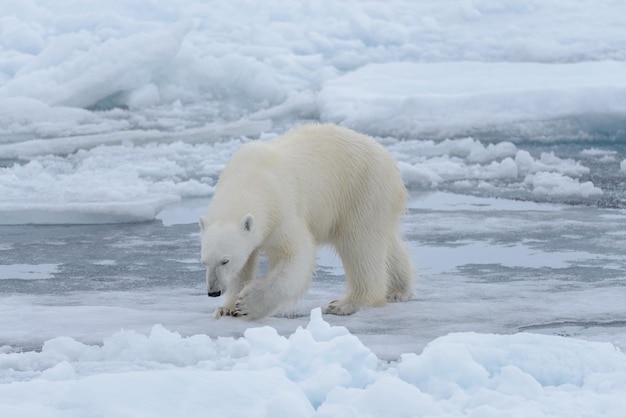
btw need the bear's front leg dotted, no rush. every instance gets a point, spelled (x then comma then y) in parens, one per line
(257, 300)
(288, 278)
(230, 300)
(245, 276)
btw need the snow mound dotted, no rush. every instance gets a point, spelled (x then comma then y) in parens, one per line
(319, 370)
(467, 164)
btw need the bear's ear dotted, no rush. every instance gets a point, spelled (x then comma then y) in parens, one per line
(247, 222)
(202, 223)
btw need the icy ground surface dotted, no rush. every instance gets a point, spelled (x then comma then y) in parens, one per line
(485, 265)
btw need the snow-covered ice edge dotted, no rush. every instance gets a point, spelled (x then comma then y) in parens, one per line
(319, 370)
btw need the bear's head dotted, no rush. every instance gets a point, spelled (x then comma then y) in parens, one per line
(225, 249)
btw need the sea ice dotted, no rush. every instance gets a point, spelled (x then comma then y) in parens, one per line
(319, 370)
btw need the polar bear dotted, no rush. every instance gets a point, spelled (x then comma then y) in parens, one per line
(315, 185)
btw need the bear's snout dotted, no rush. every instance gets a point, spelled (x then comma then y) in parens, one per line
(214, 294)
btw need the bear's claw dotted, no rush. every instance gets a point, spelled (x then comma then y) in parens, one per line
(237, 312)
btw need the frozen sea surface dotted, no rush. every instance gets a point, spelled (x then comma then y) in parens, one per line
(485, 265)
(508, 122)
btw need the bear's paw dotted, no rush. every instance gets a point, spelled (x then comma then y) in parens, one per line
(223, 311)
(341, 307)
(399, 295)
(254, 302)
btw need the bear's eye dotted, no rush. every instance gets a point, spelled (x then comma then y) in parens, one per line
(224, 262)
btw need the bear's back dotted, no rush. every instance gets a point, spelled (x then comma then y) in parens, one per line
(339, 172)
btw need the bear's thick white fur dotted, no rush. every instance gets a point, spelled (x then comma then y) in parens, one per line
(317, 184)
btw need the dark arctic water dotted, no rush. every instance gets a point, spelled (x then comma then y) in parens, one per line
(123, 257)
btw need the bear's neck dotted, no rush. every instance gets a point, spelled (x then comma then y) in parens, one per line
(235, 207)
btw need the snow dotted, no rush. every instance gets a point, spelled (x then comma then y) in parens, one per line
(558, 184)
(318, 370)
(507, 120)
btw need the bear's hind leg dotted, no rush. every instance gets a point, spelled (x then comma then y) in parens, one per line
(399, 271)
(366, 285)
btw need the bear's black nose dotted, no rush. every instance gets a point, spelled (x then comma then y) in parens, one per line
(214, 294)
